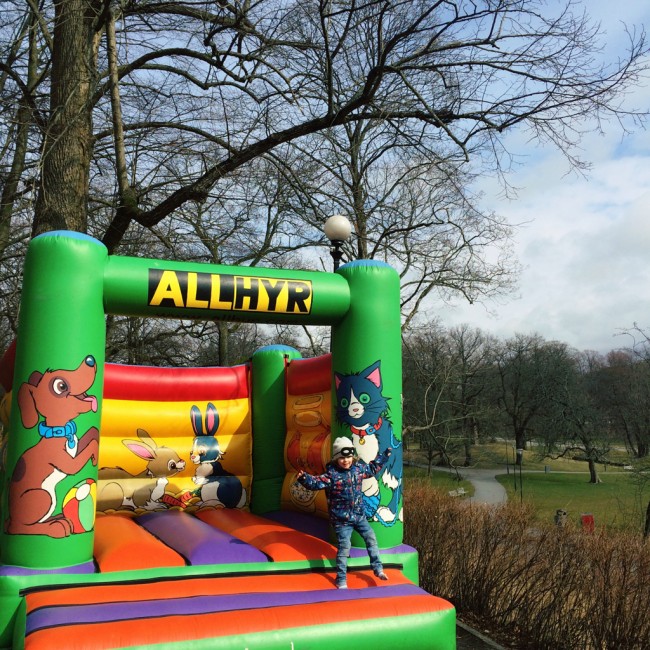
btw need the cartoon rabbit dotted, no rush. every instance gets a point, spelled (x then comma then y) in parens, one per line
(217, 487)
(130, 491)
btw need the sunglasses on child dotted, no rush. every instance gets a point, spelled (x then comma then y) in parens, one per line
(346, 452)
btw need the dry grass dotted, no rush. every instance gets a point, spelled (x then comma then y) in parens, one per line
(542, 587)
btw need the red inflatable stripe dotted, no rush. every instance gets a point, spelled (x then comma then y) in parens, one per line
(148, 383)
(189, 587)
(306, 376)
(7, 364)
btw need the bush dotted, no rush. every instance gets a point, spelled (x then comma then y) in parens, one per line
(544, 587)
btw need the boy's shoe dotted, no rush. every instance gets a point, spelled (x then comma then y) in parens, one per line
(341, 584)
(381, 575)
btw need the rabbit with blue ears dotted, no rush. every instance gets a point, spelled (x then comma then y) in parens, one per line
(216, 486)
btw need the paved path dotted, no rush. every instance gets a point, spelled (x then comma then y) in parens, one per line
(486, 488)
(467, 638)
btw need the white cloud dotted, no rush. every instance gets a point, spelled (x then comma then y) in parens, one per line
(585, 250)
(583, 242)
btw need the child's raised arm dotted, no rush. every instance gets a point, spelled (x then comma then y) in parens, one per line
(374, 466)
(313, 482)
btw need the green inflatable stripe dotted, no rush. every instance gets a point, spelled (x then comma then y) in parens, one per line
(269, 425)
(146, 287)
(61, 328)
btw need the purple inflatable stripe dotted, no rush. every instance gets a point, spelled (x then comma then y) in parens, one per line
(109, 612)
(198, 542)
(76, 569)
(310, 524)
(319, 527)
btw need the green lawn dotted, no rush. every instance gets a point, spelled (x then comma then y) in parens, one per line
(443, 480)
(618, 502)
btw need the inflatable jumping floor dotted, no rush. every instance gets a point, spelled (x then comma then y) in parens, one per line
(239, 581)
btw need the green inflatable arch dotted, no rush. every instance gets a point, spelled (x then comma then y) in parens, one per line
(71, 283)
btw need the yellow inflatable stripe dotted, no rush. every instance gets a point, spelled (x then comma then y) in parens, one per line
(168, 425)
(169, 419)
(114, 452)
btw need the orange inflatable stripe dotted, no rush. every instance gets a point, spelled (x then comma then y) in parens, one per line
(186, 628)
(122, 545)
(280, 543)
(218, 586)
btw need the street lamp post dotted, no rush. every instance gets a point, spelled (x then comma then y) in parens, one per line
(337, 229)
(520, 460)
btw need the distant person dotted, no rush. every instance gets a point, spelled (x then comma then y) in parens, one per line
(342, 481)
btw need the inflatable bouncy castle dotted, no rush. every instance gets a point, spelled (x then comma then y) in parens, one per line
(158, 507)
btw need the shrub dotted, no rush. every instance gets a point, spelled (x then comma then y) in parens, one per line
(544, 586)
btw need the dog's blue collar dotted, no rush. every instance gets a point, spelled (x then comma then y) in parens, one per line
(68, 431)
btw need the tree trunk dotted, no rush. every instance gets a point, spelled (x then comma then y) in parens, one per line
(223, 344)
(468, 453)
(646, 530)
(593, 472)
(63, 192)
(520, 443)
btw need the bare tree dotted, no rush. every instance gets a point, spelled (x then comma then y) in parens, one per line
(412, 210)
(427, 416)
(127, 115)
(579, 426)
(445, 379)
(220, 85)
(473, 355)
(626, 397)
(528, 372)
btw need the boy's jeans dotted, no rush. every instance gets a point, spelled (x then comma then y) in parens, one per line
(343, 536)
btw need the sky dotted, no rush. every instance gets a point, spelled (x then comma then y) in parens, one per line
(584, 242)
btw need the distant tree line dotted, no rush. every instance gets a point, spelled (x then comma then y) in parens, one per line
(462, 386)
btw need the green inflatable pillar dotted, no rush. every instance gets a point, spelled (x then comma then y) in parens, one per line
(48, 501)
(367, 361)
(269, 424)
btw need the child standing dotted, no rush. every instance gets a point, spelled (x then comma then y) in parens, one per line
(342, 481)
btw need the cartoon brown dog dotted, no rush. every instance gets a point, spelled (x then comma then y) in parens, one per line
(59, 396)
